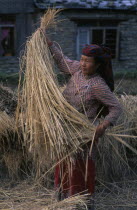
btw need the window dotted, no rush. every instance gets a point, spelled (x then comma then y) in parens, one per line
(98, 35)
(7, 38)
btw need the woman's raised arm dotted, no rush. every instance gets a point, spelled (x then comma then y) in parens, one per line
(64, 64)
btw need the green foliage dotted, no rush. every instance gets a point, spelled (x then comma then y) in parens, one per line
(9, 79)
(125, 74)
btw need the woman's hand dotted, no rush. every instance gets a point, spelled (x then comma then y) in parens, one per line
(100, 130)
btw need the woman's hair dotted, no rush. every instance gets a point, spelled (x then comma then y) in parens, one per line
(102, 73)
(99, 60)
(109, 81)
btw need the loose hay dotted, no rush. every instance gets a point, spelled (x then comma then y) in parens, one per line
(116, 157)
(27, 195)
(13, 160)
(6, 124)
(8, 100)
(11, 148)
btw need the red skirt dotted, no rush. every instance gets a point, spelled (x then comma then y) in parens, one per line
(81, 178)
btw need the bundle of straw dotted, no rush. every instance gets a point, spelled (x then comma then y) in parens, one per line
(51, 127)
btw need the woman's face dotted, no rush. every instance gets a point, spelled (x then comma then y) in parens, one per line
(88, 65)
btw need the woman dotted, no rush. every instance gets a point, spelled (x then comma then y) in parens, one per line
(89, 88)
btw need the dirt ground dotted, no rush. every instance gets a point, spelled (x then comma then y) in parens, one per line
(29, 195)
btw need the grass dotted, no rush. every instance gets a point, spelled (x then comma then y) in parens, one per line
(125, 83)
(125, 74)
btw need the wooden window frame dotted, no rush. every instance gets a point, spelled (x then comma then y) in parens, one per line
(10, 26)
(89, 36)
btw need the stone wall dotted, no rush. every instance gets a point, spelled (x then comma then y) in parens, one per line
(66, 35)
(128, 47)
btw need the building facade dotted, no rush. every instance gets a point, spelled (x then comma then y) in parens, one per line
(113, 23)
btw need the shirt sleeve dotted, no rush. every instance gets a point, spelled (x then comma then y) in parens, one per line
(103, 94)
(64, 64)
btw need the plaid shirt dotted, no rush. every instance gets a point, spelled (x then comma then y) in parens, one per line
(86, 94)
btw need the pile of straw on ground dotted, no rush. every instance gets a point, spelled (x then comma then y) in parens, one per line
(130, 104)
(28, 195)
(8, 100)
(118, 195)
(11, 149)
(114, 158)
